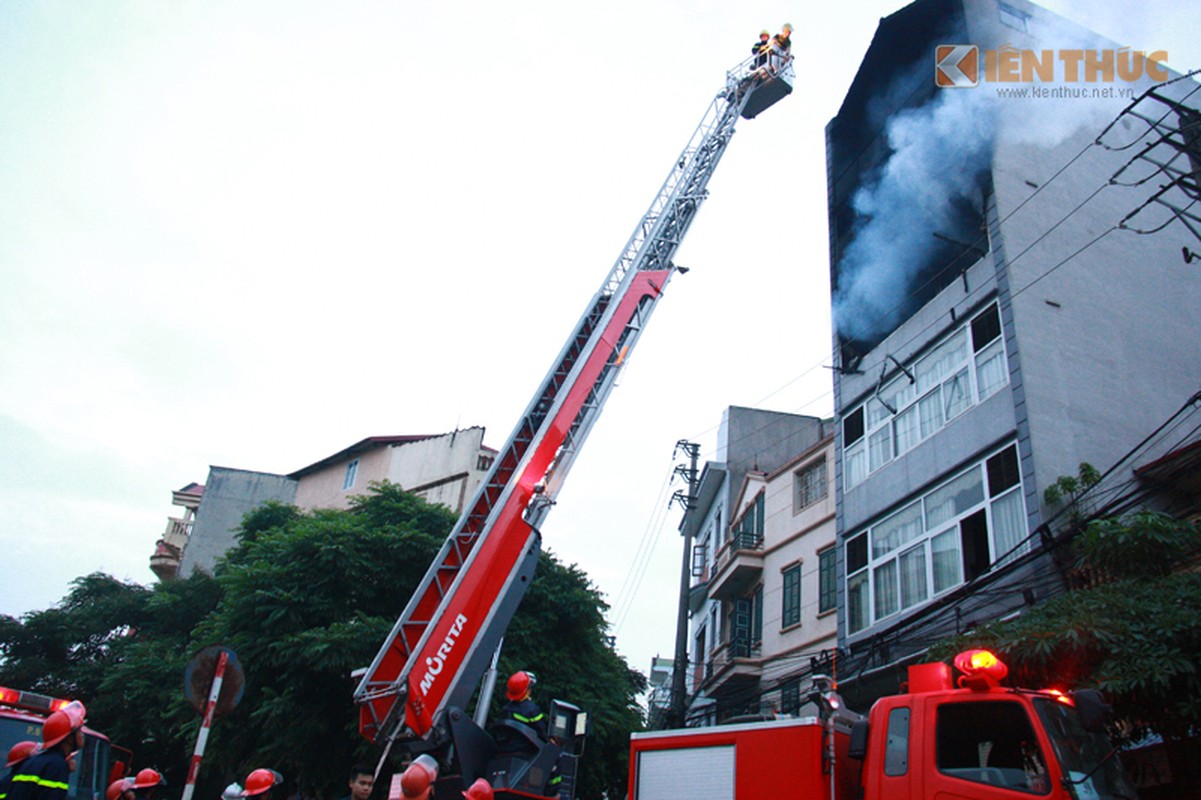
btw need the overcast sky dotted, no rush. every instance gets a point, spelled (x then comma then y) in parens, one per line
(250, 234)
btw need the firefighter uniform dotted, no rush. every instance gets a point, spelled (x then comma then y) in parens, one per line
(44, 776)
(18, 754)
(527, 712)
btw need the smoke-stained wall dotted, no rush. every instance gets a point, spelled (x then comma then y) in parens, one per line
(907, 172)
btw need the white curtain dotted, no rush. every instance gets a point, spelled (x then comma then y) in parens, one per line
(913, 575)
(886, 589)
(990, 369)
(1009, 524)
(944, 555)
(953, 499)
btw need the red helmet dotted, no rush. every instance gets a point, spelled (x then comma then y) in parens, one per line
(21, 751)
(480, 790)
(418, 780)
(118, 788)
(519, 685)
(61, 723)
(147, 778)
(76, 712)
(260, 781)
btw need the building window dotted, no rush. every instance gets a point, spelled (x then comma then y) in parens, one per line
(484, 462)
(790, 696)
(827, 572)
(699, 558)
(746, 625)
(810, 485)
(352, 472)
(962, 370)
(791, 613)
(952, 534)
(747, 533)
(757, 617)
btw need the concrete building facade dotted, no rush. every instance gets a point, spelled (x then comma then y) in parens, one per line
(445, 469)
(996, 325)
(763, 600)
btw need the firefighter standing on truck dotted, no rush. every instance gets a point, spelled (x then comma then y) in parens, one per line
(520, 707)
(45, 776)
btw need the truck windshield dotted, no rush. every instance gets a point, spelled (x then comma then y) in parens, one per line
(1080, 752)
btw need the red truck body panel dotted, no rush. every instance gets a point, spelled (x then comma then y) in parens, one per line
(781, 758)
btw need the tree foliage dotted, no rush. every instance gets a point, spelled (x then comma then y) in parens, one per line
(303, 599)
(1069, 489)
(1136, 635)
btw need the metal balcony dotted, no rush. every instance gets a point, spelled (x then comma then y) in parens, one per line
(739, 565)
(733, 668)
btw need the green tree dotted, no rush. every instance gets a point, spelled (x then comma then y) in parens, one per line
(1069, 489)
(303, 599)
(1136, 635)
(307, 599)
(119, 647)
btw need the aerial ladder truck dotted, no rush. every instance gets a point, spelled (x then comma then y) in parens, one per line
(413, 694)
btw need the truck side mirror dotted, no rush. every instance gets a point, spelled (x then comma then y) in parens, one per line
(1094, 711)
(857, 747)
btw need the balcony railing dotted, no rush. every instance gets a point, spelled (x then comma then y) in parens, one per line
(177, 531)
(740, 647)
(739, 564)
(739, 541)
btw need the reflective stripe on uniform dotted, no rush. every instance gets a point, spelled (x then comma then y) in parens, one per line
(40, 782)
(528, 720)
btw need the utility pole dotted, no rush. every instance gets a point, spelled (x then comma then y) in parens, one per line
(679, 672)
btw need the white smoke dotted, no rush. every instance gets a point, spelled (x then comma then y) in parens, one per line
(938, 153)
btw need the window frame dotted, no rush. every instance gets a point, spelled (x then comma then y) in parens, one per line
(931, 392)
(827, 580)
(351, 475)
(810, 485)
(876, 584)
(790, 596)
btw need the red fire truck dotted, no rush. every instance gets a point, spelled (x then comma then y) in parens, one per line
(950, 740)
(21, 717)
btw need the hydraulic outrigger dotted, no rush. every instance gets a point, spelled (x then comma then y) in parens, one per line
(426, 672)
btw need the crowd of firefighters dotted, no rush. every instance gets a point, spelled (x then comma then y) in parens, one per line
(42, 770)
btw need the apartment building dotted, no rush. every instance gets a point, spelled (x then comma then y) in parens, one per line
(763, 599)
(1010, 301)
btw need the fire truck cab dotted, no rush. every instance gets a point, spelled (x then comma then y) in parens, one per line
(984, 740)
(21, 717)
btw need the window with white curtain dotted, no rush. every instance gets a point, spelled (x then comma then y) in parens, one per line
(935, 542)
(965, 368)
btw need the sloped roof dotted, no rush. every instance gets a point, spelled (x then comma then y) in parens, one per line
(363, 446)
